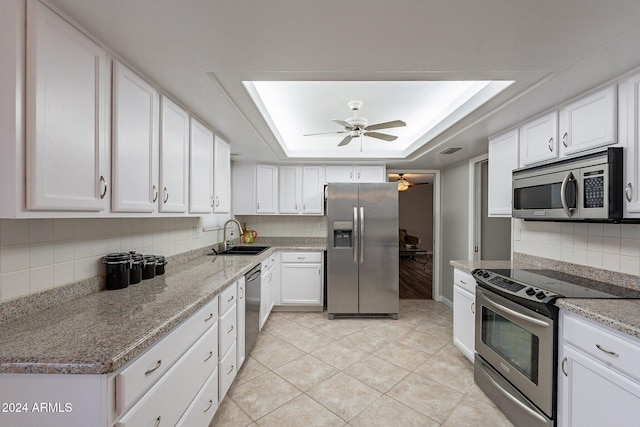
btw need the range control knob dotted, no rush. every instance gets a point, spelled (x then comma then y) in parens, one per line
(530, 291)
(485, 275)
(540, 295)
(479, 272)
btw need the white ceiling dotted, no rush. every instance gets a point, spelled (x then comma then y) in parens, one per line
(201, 51)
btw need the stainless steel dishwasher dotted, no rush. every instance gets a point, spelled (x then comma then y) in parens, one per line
(252, 312)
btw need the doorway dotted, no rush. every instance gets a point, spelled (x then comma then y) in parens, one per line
(416, 234)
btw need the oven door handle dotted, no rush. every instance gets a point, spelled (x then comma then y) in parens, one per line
(508, 395)
(563, 194)
(518, 315)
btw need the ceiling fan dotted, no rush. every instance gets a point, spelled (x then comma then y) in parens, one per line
(404, 183)
(357, 126)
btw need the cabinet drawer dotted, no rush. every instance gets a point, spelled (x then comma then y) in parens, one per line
(145, 370)
(204, 406)
(464, 280)
(170, 396)
(228, 329)
(301, 257)
(228, 298)
(227, 370)
(605, 344)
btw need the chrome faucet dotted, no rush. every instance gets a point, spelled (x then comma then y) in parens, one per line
(226, 242)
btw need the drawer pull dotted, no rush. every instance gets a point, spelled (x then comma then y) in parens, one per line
(209, 318)
(564, 367)
(209, 356)
(230, 370)
(473, 307)
(210, 405)
(230, 299)
(230, 329)
(463, 282)
(241, 292)
(150, 371)
(157, 421)
(302, 257)
(610, 353)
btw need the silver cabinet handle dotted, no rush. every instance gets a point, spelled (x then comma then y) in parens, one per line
(563, 195)
(212, 201)
(241, 292)
(627, 192)
(231, 299)
(230, 329)
(155, 194)
(258, 204)
(551, 144)
(209, 318)
(150, 371)
(209, 356)
(166, 195)
(609, 352)
(361, 231)
(463, 282)
(564, 140)
(218, 201)
(210, 405)
(157, 421)
(473, 307)
(564, 367)
(230, 370)
(302, 257)
(104, 187)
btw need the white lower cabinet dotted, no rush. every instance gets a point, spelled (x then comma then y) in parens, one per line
(228, 361)
(301, 279)
(464, 301)
(203, 407)
(599, 378)
(241, 310)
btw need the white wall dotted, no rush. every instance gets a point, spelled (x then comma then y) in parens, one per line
(415, 213)
(285, 225)
(39, 254)
(614, 247)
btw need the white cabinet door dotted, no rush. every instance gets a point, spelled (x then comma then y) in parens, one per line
(241, 312)
(630, 137)
(174, 157)
(266, 189)
(464, 321)
(539, 139)
(134, 155)
(244, 188)
(375, 173)
(222, 177)
(201, 169)
(289, 189)
(503, 158)
(338, 173)
(593, 395)
(265, 292)
(301, 284)
(589, 122)
(67, 115)
(312, 190)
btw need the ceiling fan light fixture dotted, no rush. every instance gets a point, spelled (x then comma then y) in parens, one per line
(403, 184)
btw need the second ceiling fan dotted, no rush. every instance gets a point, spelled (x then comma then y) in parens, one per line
(357, 126)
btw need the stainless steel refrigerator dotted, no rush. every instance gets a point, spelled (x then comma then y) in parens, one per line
(362, 249)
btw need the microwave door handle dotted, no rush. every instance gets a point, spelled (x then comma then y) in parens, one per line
(563, 194)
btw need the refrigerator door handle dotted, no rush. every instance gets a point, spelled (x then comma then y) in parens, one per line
(361, 234)
(356, 237)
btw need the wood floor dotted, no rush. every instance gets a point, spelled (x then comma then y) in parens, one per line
(416, 278)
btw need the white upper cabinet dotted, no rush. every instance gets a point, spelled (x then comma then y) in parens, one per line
(539, 139)
(174, 157)
(357, 173)
(312, 190)
(244, 188)
(630, 139)
(222, 176)
(134, 155)
(67, 103)
(289, 189)
(201, 169)
(589, 122)
(503, 159)
(266, 189)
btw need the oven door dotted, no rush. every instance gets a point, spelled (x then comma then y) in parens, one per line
(546, 196)
(519, 344)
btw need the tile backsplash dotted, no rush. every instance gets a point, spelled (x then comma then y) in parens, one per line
(285, 225)
(614, 247)
(39, 254)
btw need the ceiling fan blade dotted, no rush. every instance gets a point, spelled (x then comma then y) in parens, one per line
(386, 125)
(347, 139)
(383, 136)
(327, 133)
(346, 125)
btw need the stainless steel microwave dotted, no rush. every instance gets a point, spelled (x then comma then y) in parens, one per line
(583, 188)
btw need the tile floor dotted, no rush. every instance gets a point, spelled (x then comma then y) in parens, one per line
(309, 371)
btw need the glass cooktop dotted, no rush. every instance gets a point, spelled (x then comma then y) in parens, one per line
(567, 285)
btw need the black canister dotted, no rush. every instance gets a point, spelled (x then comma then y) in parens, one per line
(136, 268)
(118, 270)
(149, 267)
(160, 263)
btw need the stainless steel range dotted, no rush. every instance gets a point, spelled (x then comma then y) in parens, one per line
(517, 337)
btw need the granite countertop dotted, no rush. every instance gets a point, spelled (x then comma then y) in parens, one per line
(620, 314)
(100, 332)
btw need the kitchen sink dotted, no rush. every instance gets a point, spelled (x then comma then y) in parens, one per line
(243, 250)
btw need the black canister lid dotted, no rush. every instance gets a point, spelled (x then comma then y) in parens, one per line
(117, 258)
(160, 260)
(149, 259)
(136, 258)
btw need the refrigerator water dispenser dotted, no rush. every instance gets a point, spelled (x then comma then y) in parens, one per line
(343, 234)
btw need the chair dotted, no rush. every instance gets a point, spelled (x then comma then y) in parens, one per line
(406, 240)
